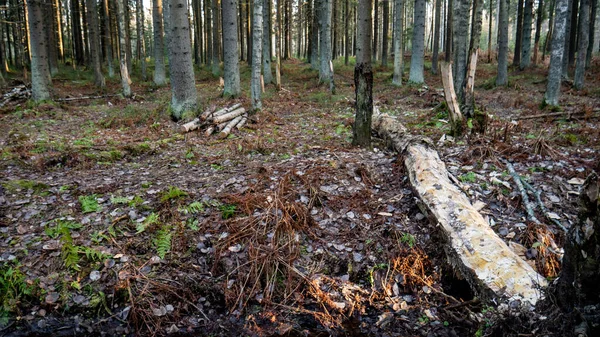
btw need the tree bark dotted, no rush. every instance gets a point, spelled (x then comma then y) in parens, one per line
(584, 30)
(59, 29)
(519, 38)
(314, 35)
(346, 32)
(502, 76)
(363, 77)
(183, 84)
(460, 45)
(230, 49)
(538, 30)
(567, 38)
(418, 43)
(592, 33)
(160, 77)
(547, 43)
(436, 37)
(526, 37)
(375, 29)
(490, 16)
(325, 71)
(398, 29)
(384, 33)
(266, 41)
(469, 92)
(141, 46)
(125, 81)
(574, 32)
(94, 43)
(558, 49)
(108, 39)
(50, 24)
(77, 38)
(39, 58)
(215, 63)
(449, 28)
(257, 27)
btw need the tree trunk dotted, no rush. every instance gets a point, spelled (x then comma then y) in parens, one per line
(538, 30)
(59, 29)
(385, 32)
(107, 39)
(526, 37)
(183, 84)
(257, 26)
(86, 36)
(436, 37)
(208, 26)
(50, 24)
(141, 46)
(242, 29)
(449, 27)
(92, 14)
(125, 81)
(577, 285)
(592, 33)
(490, 16)
(298, 31)
(39, 58)
(346, 32)
(375, 29)
(469, 93)
(574, 32)
(547, 43)
(77, 38)
(326, 69)
(160, 77)
(278, 46)
(363, 77)
(565, 59)
(584, 31)
(215, 63)
(519, 38)
(398, 29)
(502, 76)
(460, 37)
(314, 35)
(266, 42)
(230, 49)
(418, 43)
(558, 49)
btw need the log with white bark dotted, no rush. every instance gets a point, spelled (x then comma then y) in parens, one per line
(208, 112)
(228, 116)
(492, 269)
(209, 131)
(242, 122)
(189, 126)
(456, 117)
(227, 129)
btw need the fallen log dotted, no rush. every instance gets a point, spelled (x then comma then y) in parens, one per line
(242, 122)
(189, 126)
(228, 116)
(227, 129)
(492, 269)
(208, 112)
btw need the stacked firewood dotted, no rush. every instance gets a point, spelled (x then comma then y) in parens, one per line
(18, 92)
(222, 121)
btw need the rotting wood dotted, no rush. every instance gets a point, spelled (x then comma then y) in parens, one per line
(456, 117)
(492, 269)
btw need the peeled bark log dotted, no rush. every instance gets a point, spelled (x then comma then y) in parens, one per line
(456, 117)
(227, 129)
(229, 116)
(492, 269)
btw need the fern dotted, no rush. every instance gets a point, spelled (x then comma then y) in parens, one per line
(89, 203)
(149, 221)
(70, 256)
(193, 208)
(162, 242)
(119, 200)
(61, 228)
(172, 194)
(91, 254)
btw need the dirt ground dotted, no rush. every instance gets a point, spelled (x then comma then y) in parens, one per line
(113, 222)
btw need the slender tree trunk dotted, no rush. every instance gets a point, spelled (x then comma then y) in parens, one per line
(469, 92)
(208, 25)
(249, 32)
(39, 59)
(449, 27)
(574, 32)
(59, 29)
(502, 76)
(278, 47)
(314, 33)
(183, 85)
(299, 30)
(86, 35)
(346, 32)
(519, 38)
(565, 59)
(266, 42)
(592, 33)
(584, 31)
(125, 81)
(216, 66)
(92, 16)
(363, 77)
(50, 24)
(242, 29)
(257, 27)
(141, 45)
(418, 41)
(107, 39)
(526, 37)
(460, 36)
(538, 30)
(325, 71)
(490, 17)
(385, 32)
(547, 42)
(398, 29)
(77, 37)
(160, 77)
(558, 48)
(230, 49)
(375, 29)
(436, 38)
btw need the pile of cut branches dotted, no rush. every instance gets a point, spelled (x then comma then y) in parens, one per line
(222, 121)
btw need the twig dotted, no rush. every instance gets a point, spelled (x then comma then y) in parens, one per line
(538, 198)
(519, 182)
(568, 114)
(67, 99)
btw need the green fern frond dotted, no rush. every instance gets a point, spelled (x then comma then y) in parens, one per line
(150, 220)
(162, 242)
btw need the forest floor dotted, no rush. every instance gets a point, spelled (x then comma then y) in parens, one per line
(113, 222)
